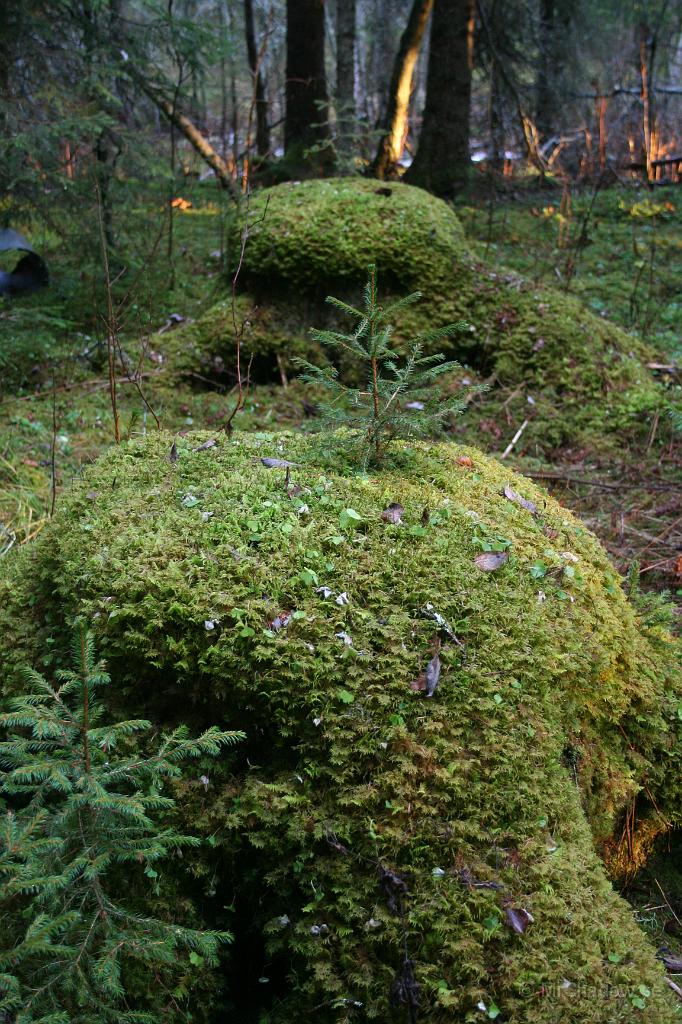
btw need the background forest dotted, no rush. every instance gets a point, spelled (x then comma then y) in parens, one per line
(301, 727)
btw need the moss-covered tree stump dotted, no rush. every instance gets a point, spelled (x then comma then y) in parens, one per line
(363, 823)
(586, 376)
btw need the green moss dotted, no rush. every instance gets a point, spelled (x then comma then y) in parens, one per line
(586, 376)
(561, 712)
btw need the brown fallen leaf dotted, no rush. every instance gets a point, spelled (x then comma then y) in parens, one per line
(277, 463)
(464, 460)
(427, 681)
(393, 513)
(173, 456)
(489, 561)
(549, 532)
(280, 621)
(426, 516)
(432, 676)
(514, 496)
(206, 445)
(677, 568)
(518, 919)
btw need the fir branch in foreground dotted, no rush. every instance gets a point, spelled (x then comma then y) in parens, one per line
(73, 926)
(400, 399)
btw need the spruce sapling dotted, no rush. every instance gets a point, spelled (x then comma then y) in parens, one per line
(79, 831)
(399, 400)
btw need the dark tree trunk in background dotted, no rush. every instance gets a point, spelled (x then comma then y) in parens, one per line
(306, 119)
(496, 118)
(442, 161)
(345, 74)
(555, 19)
(395, 123)
(262, 129)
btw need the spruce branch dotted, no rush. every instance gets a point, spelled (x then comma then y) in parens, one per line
(77, 809)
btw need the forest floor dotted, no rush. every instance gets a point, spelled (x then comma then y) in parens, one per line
(620, 250)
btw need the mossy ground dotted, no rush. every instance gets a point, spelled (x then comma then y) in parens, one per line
(627, 441)
(560, 712)
(577, 377)
(625, 246)
(626, 516)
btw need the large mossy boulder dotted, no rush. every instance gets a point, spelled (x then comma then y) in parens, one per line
(308, 239)
(364, 823)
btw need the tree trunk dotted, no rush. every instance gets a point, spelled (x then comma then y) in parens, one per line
(645, 70)
(442, 162)
(496, 118)
(555, 19)
(306, 121)
(392, 142)
(262, 128)
(345, 76)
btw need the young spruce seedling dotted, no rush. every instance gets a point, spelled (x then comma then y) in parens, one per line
(400, 400)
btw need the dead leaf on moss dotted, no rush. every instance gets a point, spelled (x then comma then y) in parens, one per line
(394, 887)
(512, 495)
(518, 919)
(173, 457)
(549, 532)
(427, 681)
(489, 561)
(280, 621)
(426, 516)
(432, 675)
(206, 445)
(277, 463)
(465, 460)
(393, 513)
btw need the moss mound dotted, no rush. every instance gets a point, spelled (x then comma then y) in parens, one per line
(309, 239)
(363, 822)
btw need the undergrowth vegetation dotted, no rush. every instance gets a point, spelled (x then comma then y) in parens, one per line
(455, 715)
(587, 380)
